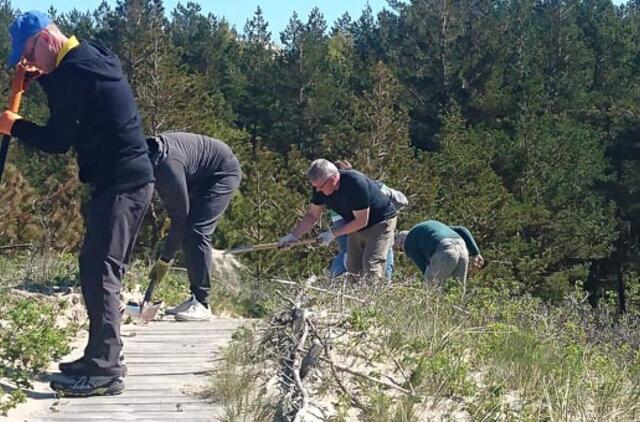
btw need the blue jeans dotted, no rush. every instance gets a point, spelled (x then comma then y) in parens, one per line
(338, 265)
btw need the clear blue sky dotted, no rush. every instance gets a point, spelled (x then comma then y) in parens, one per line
(276, 12)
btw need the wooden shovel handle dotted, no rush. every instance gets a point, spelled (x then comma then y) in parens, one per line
(268, 246)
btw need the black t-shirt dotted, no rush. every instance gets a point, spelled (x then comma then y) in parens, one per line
(356, 192)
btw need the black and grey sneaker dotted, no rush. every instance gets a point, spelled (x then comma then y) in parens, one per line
(73, 367)
(78, 367)
(182, 307)
(85, 386)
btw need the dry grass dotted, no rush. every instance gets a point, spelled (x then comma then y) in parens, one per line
(403, 353)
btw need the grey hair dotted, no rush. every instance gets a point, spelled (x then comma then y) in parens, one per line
(401, 237)
(52, 27)
(321, 169)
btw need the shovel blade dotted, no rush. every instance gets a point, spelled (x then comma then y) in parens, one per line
(148, 311)
(132, 309)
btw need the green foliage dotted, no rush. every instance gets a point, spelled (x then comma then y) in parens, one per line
(28, 342)
(48, 216)
(14, 197)
(497, 115)
(361, 318)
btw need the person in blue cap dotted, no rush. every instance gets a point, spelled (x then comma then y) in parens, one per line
(92, 109)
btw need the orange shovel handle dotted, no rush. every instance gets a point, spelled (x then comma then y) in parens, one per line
(17, 89)
(14, 105)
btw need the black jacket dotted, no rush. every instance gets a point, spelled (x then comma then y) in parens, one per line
(92, 108)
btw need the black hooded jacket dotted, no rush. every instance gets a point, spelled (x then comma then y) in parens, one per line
(92, 108)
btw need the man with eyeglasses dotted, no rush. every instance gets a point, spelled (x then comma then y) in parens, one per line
(339, 264)
(369, 214)
(91, 107)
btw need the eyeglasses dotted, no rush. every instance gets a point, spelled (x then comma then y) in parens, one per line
(29, 57)
(324, 183)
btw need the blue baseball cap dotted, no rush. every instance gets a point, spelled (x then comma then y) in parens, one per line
(25, 26)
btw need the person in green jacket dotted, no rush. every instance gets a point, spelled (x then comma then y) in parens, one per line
(440, 251)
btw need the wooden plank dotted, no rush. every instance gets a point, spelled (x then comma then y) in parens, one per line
(92, 408)
(167, 361)
(148, 416)
(138, 418)
(133, 397)
(179, 327)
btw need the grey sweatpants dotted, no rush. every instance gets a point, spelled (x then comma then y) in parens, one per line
(451, 259)
(113, 222)
(206, 206)
(367, 249)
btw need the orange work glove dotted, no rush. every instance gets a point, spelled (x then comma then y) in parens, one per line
(7, 119)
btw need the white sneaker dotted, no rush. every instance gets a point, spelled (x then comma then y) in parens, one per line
(196, 312)
(182, 307)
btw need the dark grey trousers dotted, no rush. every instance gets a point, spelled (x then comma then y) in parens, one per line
(113, 222)
(205, 209)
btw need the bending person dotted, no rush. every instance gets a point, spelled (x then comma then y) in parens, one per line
(370, 216)
(440, 251)
(196, 177)
(339, 263)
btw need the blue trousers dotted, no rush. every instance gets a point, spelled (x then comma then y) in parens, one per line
(338, 265)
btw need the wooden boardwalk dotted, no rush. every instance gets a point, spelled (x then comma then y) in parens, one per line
(169, 364)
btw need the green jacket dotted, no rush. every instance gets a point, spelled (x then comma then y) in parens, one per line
(423, 239)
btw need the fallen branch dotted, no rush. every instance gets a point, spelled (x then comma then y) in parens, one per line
(404, 374)
(285, 298)
(297, 363)
(337, 378)
(317, 289)
(16, 246)
(369, 378)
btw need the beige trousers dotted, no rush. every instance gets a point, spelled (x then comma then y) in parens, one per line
(367, 249)
(451, 259)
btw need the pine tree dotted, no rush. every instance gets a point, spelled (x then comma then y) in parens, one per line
(565, 220)
(211, 48)
(257, 66)
(342, 25)
(306, 90)
(80, 24)
(268, 206)
(167, 96)
(383, 150)
(16, 195)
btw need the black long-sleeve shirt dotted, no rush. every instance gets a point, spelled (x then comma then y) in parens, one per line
(185, 165)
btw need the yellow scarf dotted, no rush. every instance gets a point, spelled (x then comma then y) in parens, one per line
(69, 45)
